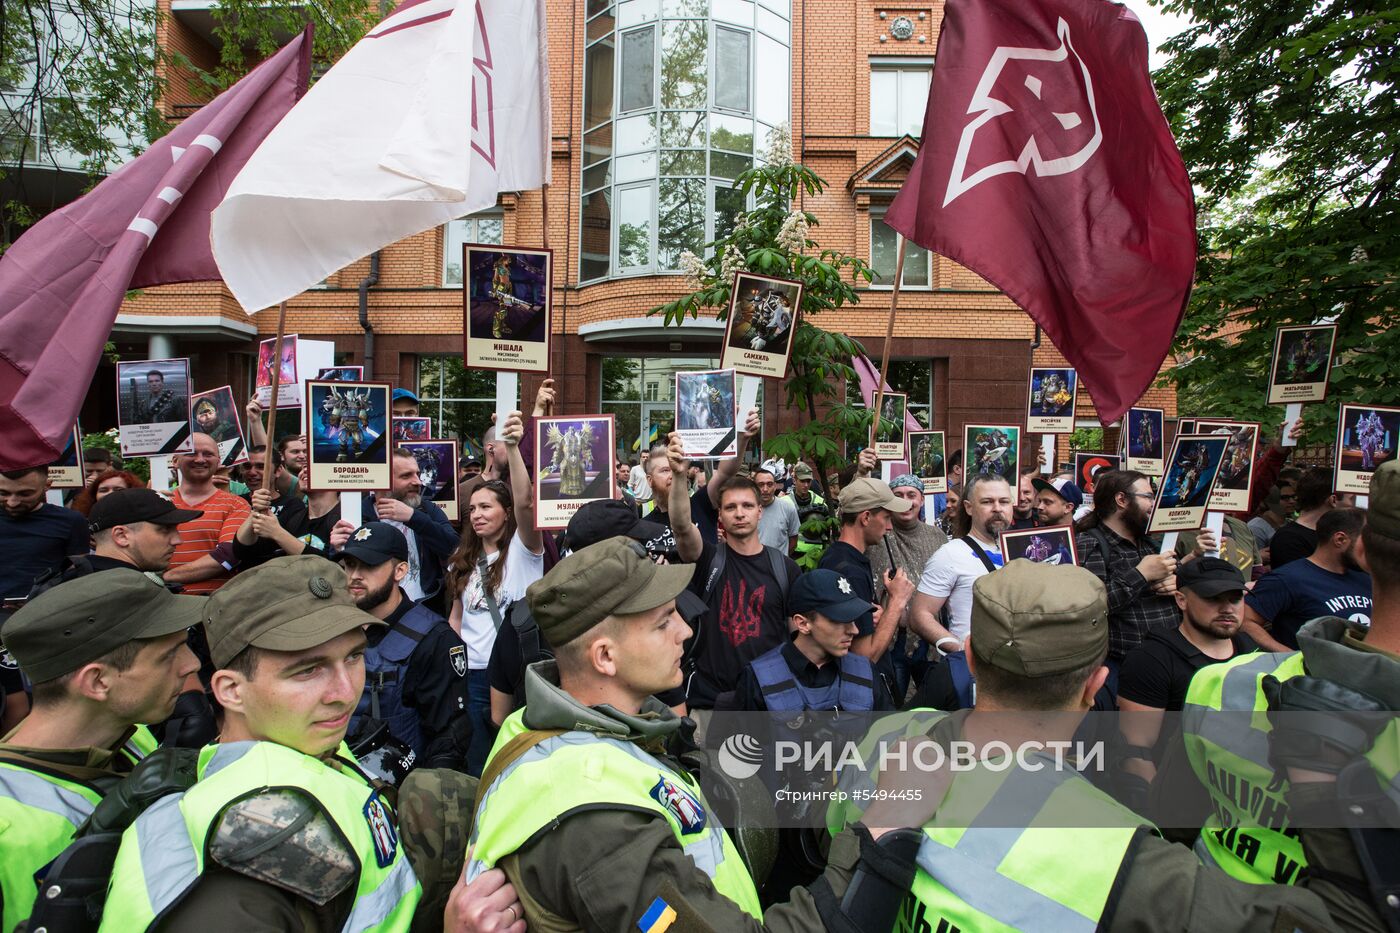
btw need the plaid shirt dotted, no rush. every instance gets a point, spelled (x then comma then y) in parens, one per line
(1133, 609)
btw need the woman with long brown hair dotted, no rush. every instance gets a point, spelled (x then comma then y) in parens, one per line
(501, 554)
(108, 481)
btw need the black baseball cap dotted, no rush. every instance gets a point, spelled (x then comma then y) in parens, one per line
(608, 518)
(1209, 576)
(375, 542)
(829, 593)
(129, 506)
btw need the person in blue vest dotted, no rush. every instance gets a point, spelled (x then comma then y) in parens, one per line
(815, 669)
(416, 668)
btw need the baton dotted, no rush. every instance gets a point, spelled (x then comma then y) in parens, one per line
(890, 551)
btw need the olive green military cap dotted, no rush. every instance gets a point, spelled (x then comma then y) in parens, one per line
(286, 604)
(77, 622)
(612, 577)
(1038, 620)
(1383, 513)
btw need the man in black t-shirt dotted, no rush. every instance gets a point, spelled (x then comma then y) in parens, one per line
(1156, 673)
(744, 586)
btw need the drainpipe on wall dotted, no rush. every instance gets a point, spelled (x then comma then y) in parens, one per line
(365, 284)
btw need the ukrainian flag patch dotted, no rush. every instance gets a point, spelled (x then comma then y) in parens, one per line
(658, 918)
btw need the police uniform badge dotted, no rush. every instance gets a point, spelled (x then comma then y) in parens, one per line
(457, 654)
(381, 830)
(680, 803)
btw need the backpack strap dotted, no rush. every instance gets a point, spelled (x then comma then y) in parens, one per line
(506, 757)
(779, 567)
(716, 570)
(979, 553)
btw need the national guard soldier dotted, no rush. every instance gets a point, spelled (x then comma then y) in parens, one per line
(1258, 845)
(1039, 636)
(594, 823)
(282, 831)
(105, 653)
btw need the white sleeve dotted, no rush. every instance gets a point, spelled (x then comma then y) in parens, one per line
(522, 568)
(940, 575)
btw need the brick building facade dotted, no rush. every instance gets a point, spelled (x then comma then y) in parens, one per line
(635, 180)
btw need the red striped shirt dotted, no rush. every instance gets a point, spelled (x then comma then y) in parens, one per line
(223, 514)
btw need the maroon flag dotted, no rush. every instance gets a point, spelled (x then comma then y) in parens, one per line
(1047, 168)
(62, 283)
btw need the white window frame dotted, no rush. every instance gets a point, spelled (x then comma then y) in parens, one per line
(881, 286)
(898, 63)
(473, 236)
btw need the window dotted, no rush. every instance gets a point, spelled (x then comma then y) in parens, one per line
(884, 253)
(478, 228)
(672, 115)
(460, 401)
(898, 98)
(640, 394)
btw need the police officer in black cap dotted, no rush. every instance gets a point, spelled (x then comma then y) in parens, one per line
(416, 667)
(131, 528)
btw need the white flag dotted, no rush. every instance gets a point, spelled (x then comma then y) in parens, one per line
(438, 108)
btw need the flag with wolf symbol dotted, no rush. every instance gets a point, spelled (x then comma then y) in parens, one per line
(1048, 169)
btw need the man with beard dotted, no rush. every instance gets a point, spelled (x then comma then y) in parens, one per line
(1155, 674)
(954, 568)
(431, 539)
(1056, 501)
(912, 542)
(203, 559)
(35, 536)
(416, 669)
(1113, 545)
(1328, 583)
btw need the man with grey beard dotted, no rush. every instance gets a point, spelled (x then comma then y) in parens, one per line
(431, 538)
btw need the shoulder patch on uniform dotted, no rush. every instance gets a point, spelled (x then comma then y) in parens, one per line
(457, 654)
(284, 838)
(382, 830)
(680, 803)
(658, 917)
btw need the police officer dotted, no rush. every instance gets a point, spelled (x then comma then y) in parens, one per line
(815, 669)
(1039, 636)
(597, 827)
(282, 830)
(810, 505)
(105, 652)
(416, 669)
(1223, 742)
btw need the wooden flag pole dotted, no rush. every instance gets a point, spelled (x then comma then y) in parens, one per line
(889, 337)
(544, 222)
(272, 401)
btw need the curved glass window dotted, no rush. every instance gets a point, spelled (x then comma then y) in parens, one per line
(676, 95)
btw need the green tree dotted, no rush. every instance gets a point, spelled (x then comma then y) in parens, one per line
(1286, 114)
(773, 239)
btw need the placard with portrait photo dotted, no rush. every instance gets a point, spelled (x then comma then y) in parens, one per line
(928, 460)
(573, 466)
(887, 431)
(507, 299)
(288, 388)
(348, 433)
(762, 321)
(216, 413)
(1366, 438)
(992, 450)
(1184, 495)
(153, 407)
(1144, 445)
(706, 418)
(1233, 487)
(412, 429)
(1050, 409)
(437, 472)
(1040, 545)
(1301, 363)
(67, 471)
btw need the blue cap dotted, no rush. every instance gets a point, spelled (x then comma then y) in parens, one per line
(829, 593)
(375, 542)
(404, 393)
(1063, 488)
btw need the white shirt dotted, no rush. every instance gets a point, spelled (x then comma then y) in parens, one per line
(638, 483)
(478, 628)
(949, 574)
(778, 523)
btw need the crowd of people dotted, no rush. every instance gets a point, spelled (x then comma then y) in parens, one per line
(358, 703)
